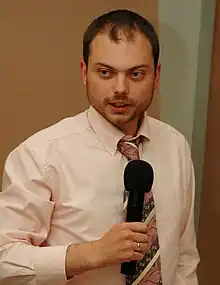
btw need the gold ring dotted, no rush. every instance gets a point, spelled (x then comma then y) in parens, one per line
(138, 244)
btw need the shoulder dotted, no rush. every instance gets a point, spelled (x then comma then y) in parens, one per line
(61, 129)
(42, 140)
(169, 140)
(172, 147)
(160, 130)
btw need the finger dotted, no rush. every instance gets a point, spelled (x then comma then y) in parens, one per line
(140, 237)
(138, 249)
(137, 256)
(141, 247)
(138, 227)
(135, 236)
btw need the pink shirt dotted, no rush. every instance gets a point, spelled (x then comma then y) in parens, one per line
(64, 185)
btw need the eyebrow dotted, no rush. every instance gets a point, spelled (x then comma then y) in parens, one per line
(132, 68)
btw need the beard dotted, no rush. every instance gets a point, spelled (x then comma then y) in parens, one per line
(121, 118)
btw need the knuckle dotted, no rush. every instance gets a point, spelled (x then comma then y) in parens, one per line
(124, 225)
(145, 248)
(128, 244)
(145, 228)
(126, 234)
(145, 238)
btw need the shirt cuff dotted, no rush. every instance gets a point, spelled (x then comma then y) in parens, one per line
(49, 265)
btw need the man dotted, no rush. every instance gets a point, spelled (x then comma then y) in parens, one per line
(61, 207)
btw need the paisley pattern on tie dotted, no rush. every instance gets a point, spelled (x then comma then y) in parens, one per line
(129, 147)
(148, 270)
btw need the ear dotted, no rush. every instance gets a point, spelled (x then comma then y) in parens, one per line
(157, 78)
(83, 70)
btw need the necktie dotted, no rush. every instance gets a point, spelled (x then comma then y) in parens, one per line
(148, 270)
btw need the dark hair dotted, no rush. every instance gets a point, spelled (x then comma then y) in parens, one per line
(125, 21)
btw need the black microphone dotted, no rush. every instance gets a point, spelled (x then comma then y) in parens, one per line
(138, 179)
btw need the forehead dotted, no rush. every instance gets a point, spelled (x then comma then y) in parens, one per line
(121, 54)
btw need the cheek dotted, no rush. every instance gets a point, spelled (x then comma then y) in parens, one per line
(99, 89)
(143, 91)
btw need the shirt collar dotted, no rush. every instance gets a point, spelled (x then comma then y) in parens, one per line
(108, 134)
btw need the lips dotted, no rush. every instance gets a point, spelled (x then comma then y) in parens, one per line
(119, 104)
(119, 107)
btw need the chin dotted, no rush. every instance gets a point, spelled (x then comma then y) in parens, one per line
(118, 119)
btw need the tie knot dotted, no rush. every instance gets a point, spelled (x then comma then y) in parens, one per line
(129, 147)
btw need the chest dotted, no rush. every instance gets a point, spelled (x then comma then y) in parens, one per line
(91, 190)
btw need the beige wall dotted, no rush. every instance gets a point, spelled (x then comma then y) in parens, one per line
(41, 44)
(209, 230)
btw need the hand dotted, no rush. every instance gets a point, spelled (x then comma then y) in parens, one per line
(120, 244)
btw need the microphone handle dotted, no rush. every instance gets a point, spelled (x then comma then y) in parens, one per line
(134, 214)
(128, 268)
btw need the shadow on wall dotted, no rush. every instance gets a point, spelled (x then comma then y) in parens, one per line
(174, 74)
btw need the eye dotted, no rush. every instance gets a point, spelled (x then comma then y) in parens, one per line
(137, 75)
(105, 73)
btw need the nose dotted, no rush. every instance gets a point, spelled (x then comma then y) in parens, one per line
(121, 84)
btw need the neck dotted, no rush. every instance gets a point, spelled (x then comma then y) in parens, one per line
(132, 128)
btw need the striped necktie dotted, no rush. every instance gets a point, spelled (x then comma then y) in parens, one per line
(148, 270)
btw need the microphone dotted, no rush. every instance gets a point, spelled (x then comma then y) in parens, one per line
(138, 179)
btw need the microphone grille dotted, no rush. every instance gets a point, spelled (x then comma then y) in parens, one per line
(138, 176)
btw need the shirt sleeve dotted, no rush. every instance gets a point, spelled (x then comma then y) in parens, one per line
(188, 257)
(25, 214)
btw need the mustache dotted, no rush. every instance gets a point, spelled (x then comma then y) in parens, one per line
(122, 98)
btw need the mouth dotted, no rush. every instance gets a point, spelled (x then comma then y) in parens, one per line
(119, 106)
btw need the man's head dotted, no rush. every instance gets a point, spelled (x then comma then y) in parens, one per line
(120, 67)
